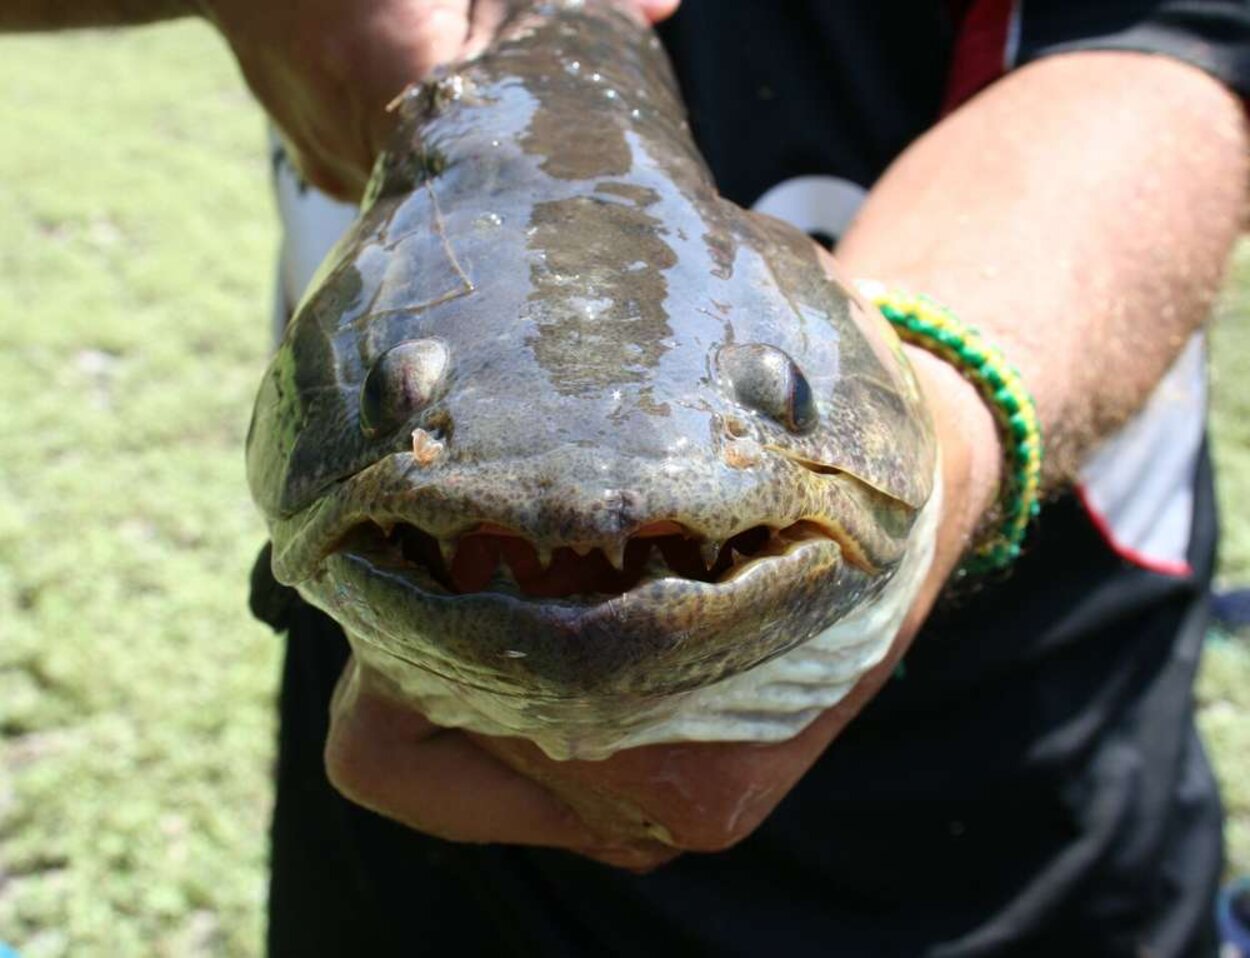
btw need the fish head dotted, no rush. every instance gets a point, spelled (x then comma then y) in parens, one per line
(580, 432)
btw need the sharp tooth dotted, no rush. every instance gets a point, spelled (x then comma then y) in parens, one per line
(656, 567)
(503, 580)
(447, 547)
(386, 526)
(709, 549)
(778, 541)
(615, 553)
(544, 551)
(581, 548)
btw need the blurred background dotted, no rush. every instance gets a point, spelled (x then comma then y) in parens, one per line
(137, 243)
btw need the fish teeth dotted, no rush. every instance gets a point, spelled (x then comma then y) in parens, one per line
(545, 551)
(581, 548)
(614, 551)
(709, 550)
(502, 579)
(447, 548)
(657, 567)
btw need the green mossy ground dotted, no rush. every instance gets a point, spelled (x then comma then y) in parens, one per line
(136, 254)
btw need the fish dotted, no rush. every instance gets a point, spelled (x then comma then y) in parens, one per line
(572, 446)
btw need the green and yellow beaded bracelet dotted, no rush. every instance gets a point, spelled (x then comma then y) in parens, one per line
(922, 322)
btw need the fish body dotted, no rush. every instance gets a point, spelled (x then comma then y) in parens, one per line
(562, 437)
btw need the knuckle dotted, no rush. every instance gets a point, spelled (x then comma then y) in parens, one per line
(436, 17)
(344, 769)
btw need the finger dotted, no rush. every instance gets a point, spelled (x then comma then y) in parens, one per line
(338, 184)
(394, 761)
(637, 859)
(438, 30)
(488, 17)
(657, 10)
(411, 39)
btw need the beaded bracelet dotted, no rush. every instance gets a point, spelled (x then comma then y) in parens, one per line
(922, 322)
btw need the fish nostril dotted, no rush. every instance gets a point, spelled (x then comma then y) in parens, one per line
(437, 423)
(766, 379)
(735, 427)
(402, 381)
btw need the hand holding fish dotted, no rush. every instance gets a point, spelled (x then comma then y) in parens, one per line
(326, 70)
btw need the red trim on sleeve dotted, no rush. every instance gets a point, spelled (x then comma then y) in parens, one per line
(1126, 552)
(980, 50)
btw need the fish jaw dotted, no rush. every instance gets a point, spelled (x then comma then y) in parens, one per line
(662, 637)
(770, 702)
(719, 568)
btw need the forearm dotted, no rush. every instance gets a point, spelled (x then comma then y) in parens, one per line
(1079, 213)
(17, 15)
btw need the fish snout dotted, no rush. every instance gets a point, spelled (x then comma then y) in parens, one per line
(573, 525)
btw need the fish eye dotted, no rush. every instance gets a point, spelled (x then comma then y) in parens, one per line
(402, 381)
(766, 379)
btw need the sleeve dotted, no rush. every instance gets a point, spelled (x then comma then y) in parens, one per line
(995, 36)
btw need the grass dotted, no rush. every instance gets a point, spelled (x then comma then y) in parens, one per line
(1224, 684)
(136, 249)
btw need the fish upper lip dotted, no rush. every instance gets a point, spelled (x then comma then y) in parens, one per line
(499, 561)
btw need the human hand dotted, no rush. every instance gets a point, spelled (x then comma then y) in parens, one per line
(642, 806)
(325, 70)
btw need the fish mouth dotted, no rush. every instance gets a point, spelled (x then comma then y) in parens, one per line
(611, 602)
(493, 559)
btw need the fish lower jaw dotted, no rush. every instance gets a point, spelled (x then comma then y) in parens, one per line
(659, 637)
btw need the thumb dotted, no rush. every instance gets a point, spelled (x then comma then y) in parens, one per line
(438, 31)
(657, 10)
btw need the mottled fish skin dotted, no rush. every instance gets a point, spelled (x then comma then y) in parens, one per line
(590, 341)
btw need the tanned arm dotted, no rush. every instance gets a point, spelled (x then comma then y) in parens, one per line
(1080, 213)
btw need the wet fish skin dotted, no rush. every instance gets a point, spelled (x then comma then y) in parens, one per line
(607, 332)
